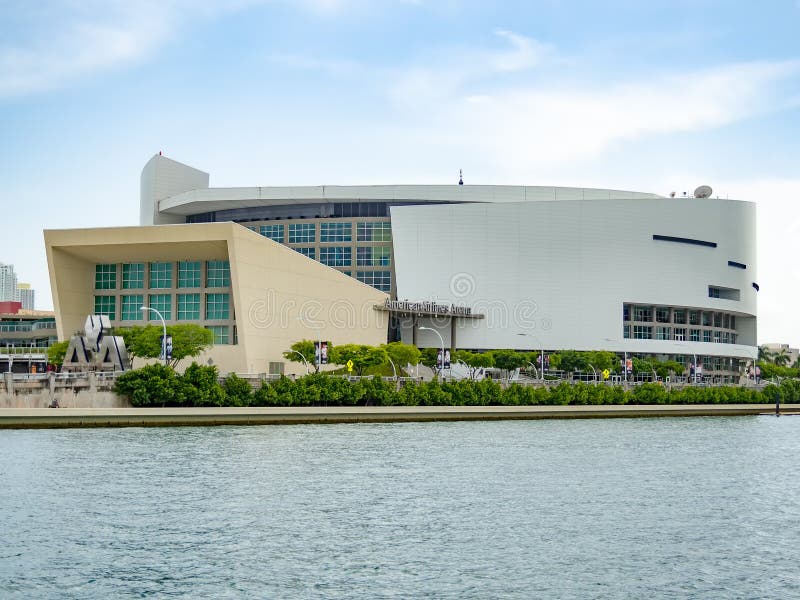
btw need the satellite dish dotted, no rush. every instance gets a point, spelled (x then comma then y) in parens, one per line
(703, 191)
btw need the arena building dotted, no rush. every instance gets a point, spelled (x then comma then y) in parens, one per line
(468, 266)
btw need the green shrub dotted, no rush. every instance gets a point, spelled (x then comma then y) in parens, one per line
(237, 391)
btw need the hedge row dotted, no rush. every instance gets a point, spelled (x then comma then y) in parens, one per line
(157, 385)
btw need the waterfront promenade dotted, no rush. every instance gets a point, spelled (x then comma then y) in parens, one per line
(12, 418)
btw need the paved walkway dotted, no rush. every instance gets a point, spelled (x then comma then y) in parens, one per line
(155, 417)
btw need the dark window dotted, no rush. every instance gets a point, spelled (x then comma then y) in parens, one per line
(738, 265)
(680, 240)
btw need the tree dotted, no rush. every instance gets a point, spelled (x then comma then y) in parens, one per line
(569, 361)
(304, 352)
(402, 354)
(363, 356)
(603, 359)
(57, 352)
(764, 354)
(508, 360)
(429, 357)
(475, 360)
(188, 340)
(781, 358)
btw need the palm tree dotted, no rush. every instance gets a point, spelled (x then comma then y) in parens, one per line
(764, 354)
(781, 358)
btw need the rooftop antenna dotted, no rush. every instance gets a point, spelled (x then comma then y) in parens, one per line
(460, 177)
(704, 191)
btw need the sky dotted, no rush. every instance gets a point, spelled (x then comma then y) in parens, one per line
(654, 96)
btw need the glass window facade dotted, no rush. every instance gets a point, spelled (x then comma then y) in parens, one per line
(189, 274)
(373, 256)
(218, 307)
(336, 256)
(133, 276)
(302, 233)
(160, 275)
(105, 277)
(273, 232)
(309, 252)
(642, 332)
(374, 232)
(335, 232)
(106, 305)
(643, 313)
(381, 280)
(218, 273)
(131, 307)
(221, 333)
(188, 307)
(163, 304)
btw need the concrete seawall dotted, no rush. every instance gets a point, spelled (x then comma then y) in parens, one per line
(12, 418)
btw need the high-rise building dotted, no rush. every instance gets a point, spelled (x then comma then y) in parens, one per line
(26, 295)
(8, 283)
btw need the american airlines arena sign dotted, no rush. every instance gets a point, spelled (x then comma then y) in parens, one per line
(429, 308)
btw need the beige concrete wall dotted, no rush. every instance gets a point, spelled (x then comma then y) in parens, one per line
(66, 399)
(278, 295)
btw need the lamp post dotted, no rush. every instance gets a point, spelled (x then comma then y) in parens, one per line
(303, 357)
(441, 339)
(163, 337)
(318, 353)
(541, 355)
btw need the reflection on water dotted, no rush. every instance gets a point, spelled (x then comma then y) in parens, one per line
(668, 508)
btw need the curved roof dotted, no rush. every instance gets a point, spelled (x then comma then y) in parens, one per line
(214, 199)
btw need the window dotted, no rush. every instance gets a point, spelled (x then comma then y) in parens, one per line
(694, 317)
(626, 331)
(374, 232)
(133, 276)
(381, 280)
(302, 233)
(336, 256)
(680, 333)
(694, 335)
(188, 307)
(734, 338)
(105, 305)
(163, 304)
(662, 314)
(105, 277)
(663, 333)
(681, 240)
(373, 256)
(220, 333)
(131, 308)
(336, 232)
(626, 312)
(643, 313)
(217, 307)
(706, 335)
(273, 232)
(680, 316)
(713, 292)
(218, 273)
(717, 337)
(189, 274)
(724, 293)
(309, 252)
(733, 321)
(717, 319)
(726, 337)
(642, 332)
(726, 321)
(160, 276)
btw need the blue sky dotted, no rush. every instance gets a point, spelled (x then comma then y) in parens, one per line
(652, 96)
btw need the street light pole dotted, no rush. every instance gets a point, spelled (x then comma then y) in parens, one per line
(441, 339)
(163, 337)
(541, 355)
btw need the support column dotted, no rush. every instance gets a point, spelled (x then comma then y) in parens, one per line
(414, 330)
(452, 335)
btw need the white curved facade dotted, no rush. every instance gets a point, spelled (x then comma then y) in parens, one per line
(557, 274)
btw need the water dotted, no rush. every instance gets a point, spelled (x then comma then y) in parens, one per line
(636, 508)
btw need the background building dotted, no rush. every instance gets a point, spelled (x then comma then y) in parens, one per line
(8, 283)
(25, 336)
(26, 295)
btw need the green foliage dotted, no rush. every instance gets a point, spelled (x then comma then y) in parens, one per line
(771, 371)
(362, 356)
(428, 357)
(188, 340)
(152, 385)
(642, 366)
(508, 360)
(474, 360)
(570, 361)
(602, 360)
(200, 387)
(237, 391)
(57, 352)
(402, 354)
(304, 349)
